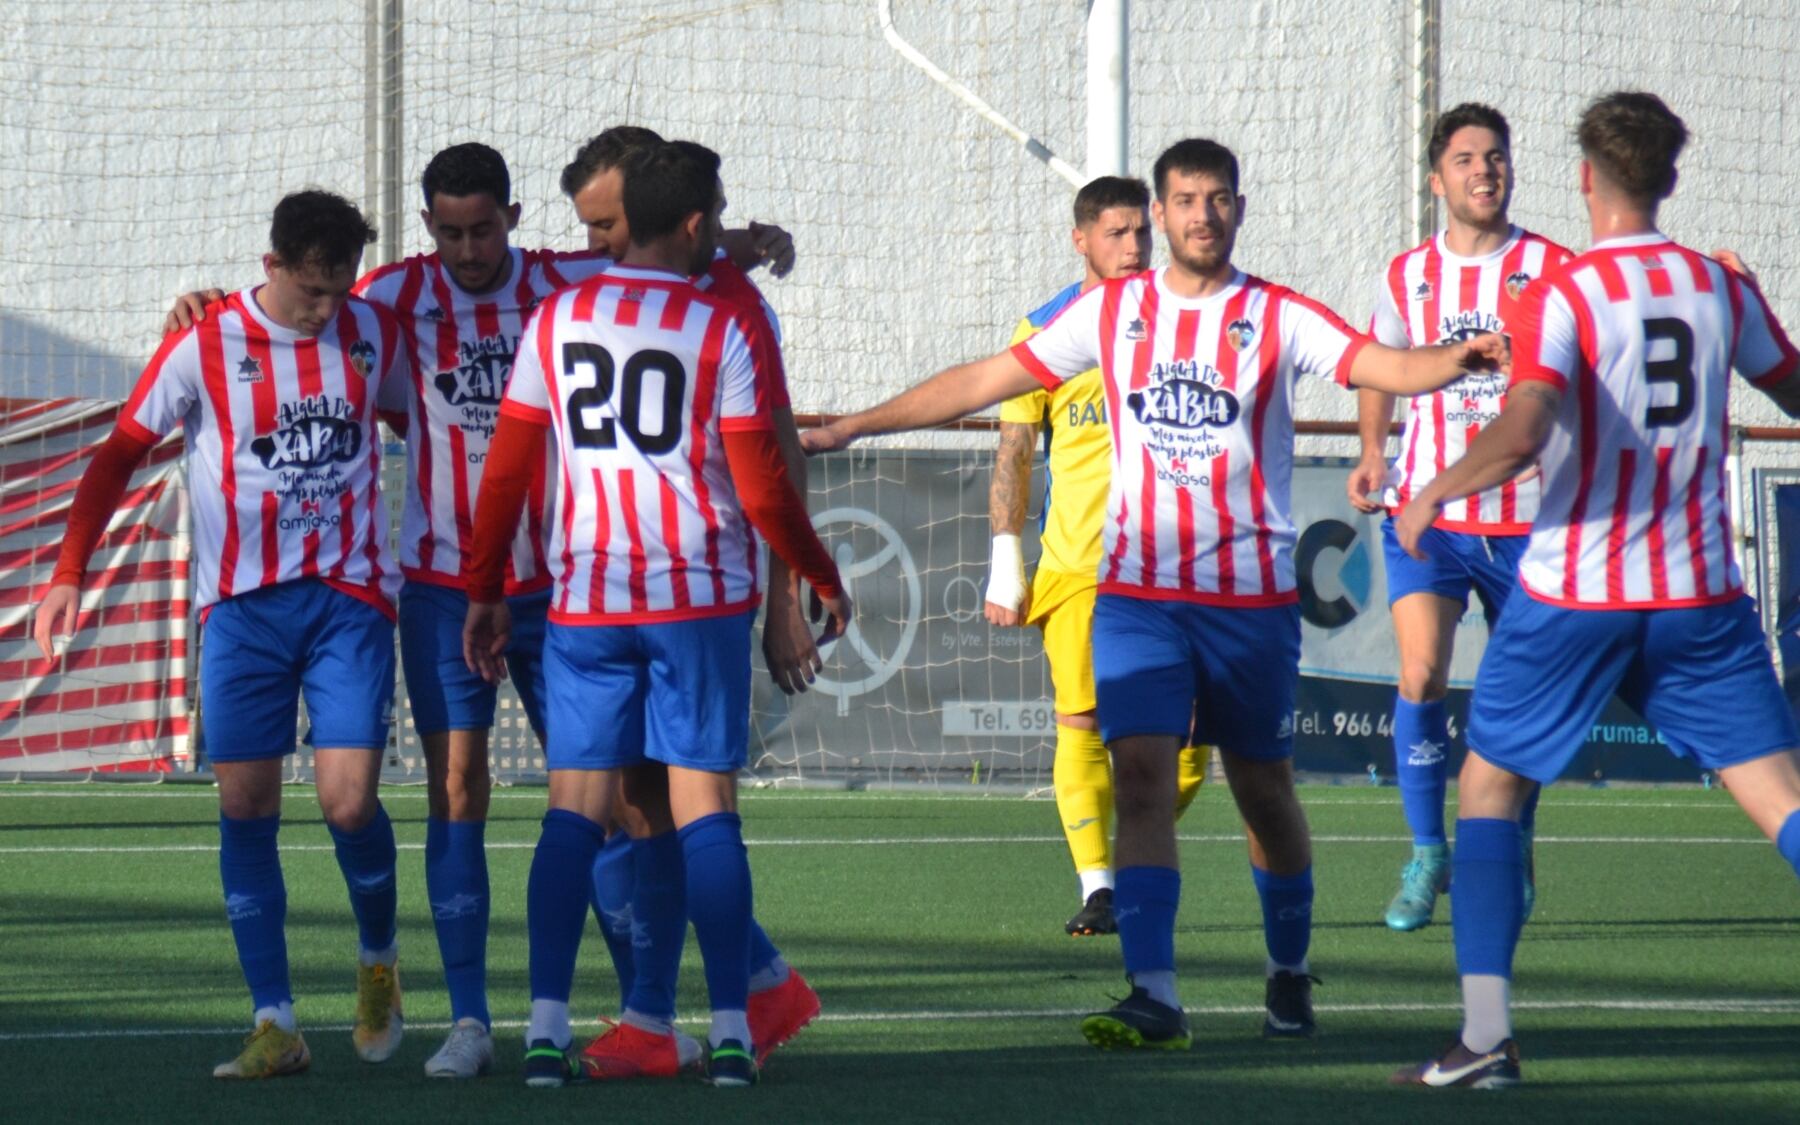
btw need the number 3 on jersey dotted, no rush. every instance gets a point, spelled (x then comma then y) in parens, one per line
(652, 369)
(1677, 369)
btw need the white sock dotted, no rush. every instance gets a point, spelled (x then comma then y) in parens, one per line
(730, 1023)
(550, 1020)
(367, 957)
(282, 1014)
(1094, 879)
(1160, 985)
(772, 975)
(1487, 1011)
(1270, 968)
(655, 1025)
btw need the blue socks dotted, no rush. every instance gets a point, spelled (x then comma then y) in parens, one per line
(456, 881)
(1421, 763)
(763, 954)
(1487, 896)
(614, 881)
(1145, 900)
(256, 903)
(554, 913)
(1787, 841)
(1287, 914)
(658, 924)
(719, 904)
(367, 858)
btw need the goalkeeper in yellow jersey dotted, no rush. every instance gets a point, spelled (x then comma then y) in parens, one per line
(1112, 234)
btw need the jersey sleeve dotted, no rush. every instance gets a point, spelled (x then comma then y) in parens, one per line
(741, 406)
(170, 384)
(1029, 408)
(1763, 353)
(1071, 343)
(1387, 325)
(528, 387)
(1547, 344)
(1317, 341)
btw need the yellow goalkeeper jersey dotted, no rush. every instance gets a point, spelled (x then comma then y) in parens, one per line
(1073, 420)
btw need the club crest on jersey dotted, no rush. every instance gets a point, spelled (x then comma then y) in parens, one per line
(1239, 333)
(1134, 330)
(362, 357)
(481, 376)
(249, 371)
(1183, 397)
(316, 431)
(1516, 283)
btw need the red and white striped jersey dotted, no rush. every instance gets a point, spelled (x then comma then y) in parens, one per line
(1199, 394)
(283, 457)
(1641, 335)
(1428, 296)
(637, 373)
(463, 348)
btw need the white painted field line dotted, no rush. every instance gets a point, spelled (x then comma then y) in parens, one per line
(871, 841)
(416, 791)
(1709, 1006)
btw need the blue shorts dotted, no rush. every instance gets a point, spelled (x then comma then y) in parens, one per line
(1703, 676)
(1229, 671)
(1455, 563)
(674, 692)
(262, 650)
(443, 693)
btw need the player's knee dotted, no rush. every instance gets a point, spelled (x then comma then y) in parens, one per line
(348, 809)
(1422, 681)
(466, 794)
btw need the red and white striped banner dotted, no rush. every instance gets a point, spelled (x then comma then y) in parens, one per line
(118, 700)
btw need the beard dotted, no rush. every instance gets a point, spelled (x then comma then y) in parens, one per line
(1208, 260)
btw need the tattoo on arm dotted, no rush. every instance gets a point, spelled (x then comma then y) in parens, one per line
(1012, 477)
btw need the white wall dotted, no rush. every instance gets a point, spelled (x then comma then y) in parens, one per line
(142, 145)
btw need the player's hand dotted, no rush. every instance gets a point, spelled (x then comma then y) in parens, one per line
(824, 439)
(787, 643)
(774, 246)
(190, 308)
(486, 631)
(1730, 260)
(1413, 522)
(55, 617)
(839, 613)
(1365, 483)
(1489, 351)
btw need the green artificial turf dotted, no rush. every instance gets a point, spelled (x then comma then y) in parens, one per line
(1656, 981)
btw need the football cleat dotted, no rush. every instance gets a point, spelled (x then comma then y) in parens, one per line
(1422, 880)
(624, 1050)
(548, 1066)
(1095, 917)
(468, 1052)
(778, 1014)
(1497, 1069)
(1287, 999)
(1138, 1022)
(730, 1065)
(269, 1052)
(379, 1025)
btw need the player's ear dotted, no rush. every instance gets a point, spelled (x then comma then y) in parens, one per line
(692, 225)
(269, 265)
(1437, 184)
(425, 217)
(1587, 177)
(1078, 239)
(513, 211)
(1156, 213)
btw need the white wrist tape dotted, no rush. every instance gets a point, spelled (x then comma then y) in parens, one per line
(1006, 572)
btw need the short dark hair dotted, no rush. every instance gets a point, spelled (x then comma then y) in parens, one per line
(608, 149)
(1461, 117)
(317, 228)
(467, 169)
(1195, 154)
(664, 184)
(1633, 138)
(1103, 193)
